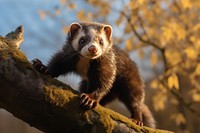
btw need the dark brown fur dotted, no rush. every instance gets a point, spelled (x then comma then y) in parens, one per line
(113, 75)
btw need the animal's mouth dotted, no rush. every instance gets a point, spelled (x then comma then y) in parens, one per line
(92, 56)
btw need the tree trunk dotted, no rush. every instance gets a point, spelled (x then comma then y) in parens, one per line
(46, 103)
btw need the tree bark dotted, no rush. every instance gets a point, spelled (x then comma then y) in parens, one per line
(46, 103)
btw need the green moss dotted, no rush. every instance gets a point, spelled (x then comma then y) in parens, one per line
(107, 116)
(58, 96)
(86, 117)
(49, 81)
(8, 50)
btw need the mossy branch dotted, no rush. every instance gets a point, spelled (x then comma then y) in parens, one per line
(47, 103)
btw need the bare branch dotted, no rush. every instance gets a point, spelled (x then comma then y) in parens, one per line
(138, 35)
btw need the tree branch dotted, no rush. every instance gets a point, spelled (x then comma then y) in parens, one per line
(149, 42)
(47, 103)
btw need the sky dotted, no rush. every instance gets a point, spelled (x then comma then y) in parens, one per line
(37, 31)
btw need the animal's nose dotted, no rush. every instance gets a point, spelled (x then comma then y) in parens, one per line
(92, 49)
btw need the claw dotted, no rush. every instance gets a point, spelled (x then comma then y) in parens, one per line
(37, 64)
(138, 122)
(84, 101)
(46, 71)
(89, 105)
(82, 95)
(87, 102)
(94, 105)
(41, 68)
(34, 61)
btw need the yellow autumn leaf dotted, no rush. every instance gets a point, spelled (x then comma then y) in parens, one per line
(180, 31)
(170, 81)
(63, 1)
(191, 53)
(93, 2)
(65, 29)
(90, 15)
(173, 81)
(197, 44)
(42, 14)
(153, 58)
(129, 44)
(105, 10)
(131, 4)
(171, 30)
(174, 101)
(196, 27)
(196, 97)
(154, 84)
(167, 33)
(127, 29)
(158, 9)
(140, 1)
(81, 15)
(197, 70)
(162, 88)
(57, 11)
(179, 118)
(186, 4)
(71, 6)
(193, 39)
(159, 101)
(173, 57)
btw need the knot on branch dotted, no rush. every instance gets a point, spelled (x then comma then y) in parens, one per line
(16, 37)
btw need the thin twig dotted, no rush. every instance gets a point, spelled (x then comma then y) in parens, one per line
(138, 35)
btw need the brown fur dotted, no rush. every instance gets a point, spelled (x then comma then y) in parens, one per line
(113, 75)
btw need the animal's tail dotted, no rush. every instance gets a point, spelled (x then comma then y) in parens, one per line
(147, 117)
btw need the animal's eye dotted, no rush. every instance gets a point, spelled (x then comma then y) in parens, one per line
(100, 41)
(82, 41)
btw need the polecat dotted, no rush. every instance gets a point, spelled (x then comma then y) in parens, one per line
(107, 72)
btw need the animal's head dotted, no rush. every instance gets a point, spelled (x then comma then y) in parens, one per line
(91, 40)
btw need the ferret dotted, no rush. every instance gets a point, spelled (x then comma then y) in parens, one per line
(107, 72)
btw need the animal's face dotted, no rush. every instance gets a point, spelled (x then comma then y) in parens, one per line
(90, 40)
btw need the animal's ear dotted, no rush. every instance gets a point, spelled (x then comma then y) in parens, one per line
(108, 31)
(74, 27)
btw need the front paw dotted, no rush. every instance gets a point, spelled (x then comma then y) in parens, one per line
(138, 122)
(87, 102)
(37, 64)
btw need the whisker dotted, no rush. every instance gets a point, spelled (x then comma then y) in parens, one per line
(69, 57)
(67, 54)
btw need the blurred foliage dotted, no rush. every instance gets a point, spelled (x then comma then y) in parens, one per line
(167, 34)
